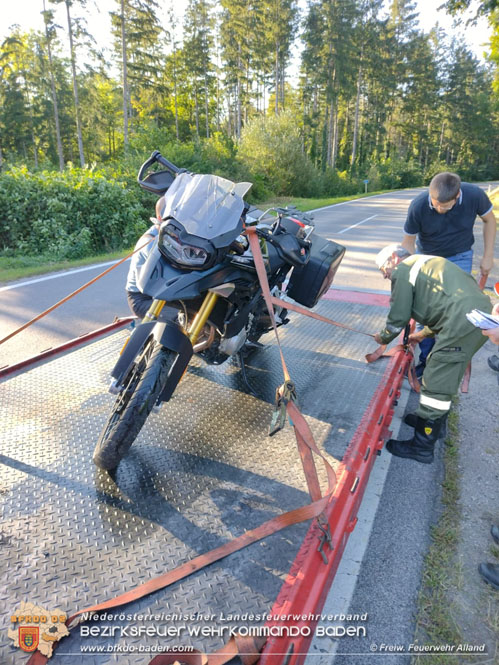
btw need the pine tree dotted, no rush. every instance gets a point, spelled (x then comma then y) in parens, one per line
(48, 18)
(73, 24)
(198, 43)
(137, 32)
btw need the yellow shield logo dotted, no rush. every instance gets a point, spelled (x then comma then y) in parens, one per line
(29, 637)
(428, 431)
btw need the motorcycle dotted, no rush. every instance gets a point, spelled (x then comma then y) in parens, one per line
(206, 295)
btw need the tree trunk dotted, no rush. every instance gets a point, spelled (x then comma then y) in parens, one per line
(324, 147)
(218, 105)
(206, 106)
(238, 96)
(336, 133)
(125, 76)
(330, 132)
(75, 87)
(441, 142)
(282, 76)
(356, 117)
(54, 98)
(276, 79)
(196, 108)
(175, 100)
(229, 122)
(31, 117)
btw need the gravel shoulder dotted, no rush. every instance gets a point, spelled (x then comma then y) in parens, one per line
(473, 604)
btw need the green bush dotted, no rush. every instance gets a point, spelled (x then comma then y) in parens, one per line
(394, 174)
(271, 147)
(337, 183)
(70, 214)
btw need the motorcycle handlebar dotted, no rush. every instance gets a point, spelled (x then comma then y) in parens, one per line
(162, 160)
(156, 156)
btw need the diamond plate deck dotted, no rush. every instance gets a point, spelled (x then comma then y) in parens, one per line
(201, 472)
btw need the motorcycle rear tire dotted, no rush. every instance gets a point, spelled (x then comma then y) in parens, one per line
(142, 387)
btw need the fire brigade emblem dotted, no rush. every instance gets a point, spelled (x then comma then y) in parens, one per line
(428, 431)
(33, 627)
(29, 637)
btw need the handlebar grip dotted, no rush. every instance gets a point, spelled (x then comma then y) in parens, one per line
(156, 156)
(162, 160)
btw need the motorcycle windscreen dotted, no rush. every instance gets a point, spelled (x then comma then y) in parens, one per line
(207, 206)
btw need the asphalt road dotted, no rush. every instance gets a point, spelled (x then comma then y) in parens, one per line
(364, 226)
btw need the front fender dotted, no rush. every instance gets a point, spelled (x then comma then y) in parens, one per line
(169, 335)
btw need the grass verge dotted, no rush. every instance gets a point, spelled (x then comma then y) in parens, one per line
(434, 622)
(18, 267)
(311, 204)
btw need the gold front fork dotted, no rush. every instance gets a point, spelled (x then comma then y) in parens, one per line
(154, 310)
(201, 317)
(199, 320)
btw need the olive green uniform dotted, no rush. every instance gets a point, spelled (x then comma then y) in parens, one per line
(438, 294)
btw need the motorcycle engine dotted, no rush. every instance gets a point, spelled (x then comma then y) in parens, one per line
(231, 345)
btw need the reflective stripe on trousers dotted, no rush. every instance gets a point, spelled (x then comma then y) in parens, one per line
(433, 403)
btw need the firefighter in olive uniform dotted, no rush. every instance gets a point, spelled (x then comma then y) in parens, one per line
(438, 294)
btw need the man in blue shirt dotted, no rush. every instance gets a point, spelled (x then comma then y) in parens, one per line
(440, 223)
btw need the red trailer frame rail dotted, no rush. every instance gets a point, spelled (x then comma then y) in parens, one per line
(305, 589)
(66, 346)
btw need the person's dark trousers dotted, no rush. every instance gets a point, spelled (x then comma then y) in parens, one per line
(465, 261)
(425, 346)
(139, 303)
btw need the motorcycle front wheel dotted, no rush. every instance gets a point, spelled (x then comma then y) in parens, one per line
(141, 389)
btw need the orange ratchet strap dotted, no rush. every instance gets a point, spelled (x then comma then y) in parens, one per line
(71, 295)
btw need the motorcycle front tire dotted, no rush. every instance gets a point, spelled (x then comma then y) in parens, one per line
(140, 392)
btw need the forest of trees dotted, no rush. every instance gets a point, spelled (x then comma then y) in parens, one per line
(374, 96)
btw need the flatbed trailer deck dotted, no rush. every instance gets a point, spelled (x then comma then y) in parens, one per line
(201, 472)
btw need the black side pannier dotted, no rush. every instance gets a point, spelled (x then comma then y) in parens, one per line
(309, 283)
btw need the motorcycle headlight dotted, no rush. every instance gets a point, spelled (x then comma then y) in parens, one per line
(182, 253)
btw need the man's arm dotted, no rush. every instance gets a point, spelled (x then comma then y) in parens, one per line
(400, 309)
(489, 236)
(409, 243)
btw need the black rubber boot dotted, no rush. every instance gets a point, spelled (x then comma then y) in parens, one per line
(494, 532)
(493, 363)
(411, 420)
(420, 448)
(490, 573)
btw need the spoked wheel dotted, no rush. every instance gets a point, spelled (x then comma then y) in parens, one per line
(141, 389)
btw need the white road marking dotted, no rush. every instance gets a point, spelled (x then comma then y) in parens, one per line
(59, 274)
(358, 224)
(362, 198)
